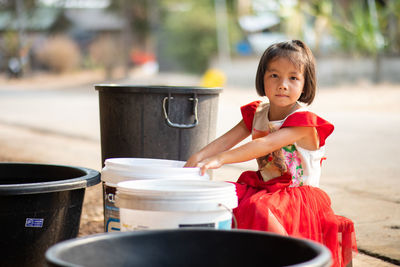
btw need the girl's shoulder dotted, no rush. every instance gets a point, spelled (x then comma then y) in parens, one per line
(304, 118)
(248, 112)
(251, 107)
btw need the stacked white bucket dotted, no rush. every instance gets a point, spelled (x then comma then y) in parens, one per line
(151, 194)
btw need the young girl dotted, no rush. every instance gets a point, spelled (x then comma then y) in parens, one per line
(288, 143)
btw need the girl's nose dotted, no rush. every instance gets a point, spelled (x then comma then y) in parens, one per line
(283, 85)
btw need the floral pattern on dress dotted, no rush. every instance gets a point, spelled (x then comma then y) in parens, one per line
(293, 163)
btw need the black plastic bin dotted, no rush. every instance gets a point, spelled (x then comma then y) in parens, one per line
(164, 122)
(188, 247)
(41, 204)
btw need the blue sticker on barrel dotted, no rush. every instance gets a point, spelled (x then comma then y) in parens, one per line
(225, 225)
(34, 222)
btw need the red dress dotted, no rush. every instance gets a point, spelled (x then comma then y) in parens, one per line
(303, 211)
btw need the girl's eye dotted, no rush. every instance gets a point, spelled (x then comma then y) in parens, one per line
(274, 75)
(294, 78)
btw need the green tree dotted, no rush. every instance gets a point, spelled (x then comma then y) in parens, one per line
(390, 25)
(321, 11)
(358, 31)
(181, 33)
(189, 37)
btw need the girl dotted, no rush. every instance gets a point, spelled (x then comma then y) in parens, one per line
(288, 143)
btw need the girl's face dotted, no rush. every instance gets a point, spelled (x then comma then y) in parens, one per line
(283, 82)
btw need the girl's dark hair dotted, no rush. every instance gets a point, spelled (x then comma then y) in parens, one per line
(301, 56)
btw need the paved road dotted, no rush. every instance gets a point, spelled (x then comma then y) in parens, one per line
(360, 174)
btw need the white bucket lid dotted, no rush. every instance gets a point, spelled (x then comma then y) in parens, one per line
(122, 169)
(176, 195)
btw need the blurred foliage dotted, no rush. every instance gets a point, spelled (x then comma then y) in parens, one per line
(357, 31)
(60, 54)
(292, 19)
(364, 27)
(189, 36)
(136, 13)
(390, 23)
(12, 4)
(360, 27)
(10, 44)
(321, 11)
(185, 31)
(103, 53)
(189, 33)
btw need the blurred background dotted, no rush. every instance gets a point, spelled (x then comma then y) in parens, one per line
(352, 40)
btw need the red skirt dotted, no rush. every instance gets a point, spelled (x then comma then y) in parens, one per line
(303, 212)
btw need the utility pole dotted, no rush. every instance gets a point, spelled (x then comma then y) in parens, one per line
(23, 55)
(379, 42)
(126, 35)
(222, 31)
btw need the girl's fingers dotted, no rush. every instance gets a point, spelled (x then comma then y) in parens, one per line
(192, 161)
(189, 164)
(202, 167)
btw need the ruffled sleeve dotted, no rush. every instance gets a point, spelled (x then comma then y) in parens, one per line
(306, 118)
(248, 112)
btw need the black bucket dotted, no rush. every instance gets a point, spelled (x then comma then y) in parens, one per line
(163, 122)
(191, 247)
(41, 205)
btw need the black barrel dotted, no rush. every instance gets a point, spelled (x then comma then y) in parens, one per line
(41, 205)
(164, 122)
(188, 247)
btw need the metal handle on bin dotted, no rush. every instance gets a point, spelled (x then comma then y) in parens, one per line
(234, 221)
(179, 125)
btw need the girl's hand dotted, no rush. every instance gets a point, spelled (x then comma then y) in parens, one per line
(210, 163)
(221, 144)
(193, 161)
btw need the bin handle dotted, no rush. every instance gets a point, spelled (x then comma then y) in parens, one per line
(234, 221)
(179, 125)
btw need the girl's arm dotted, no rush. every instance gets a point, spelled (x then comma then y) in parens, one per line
(221, 144)
(257, 147)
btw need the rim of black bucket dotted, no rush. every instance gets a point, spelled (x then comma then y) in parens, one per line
(91, 177)
(53, 253)
(156, 89)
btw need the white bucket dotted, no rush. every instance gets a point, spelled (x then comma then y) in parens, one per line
(171, 204)
(125, 169)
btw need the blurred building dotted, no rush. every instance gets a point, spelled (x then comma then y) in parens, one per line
(81, 21)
